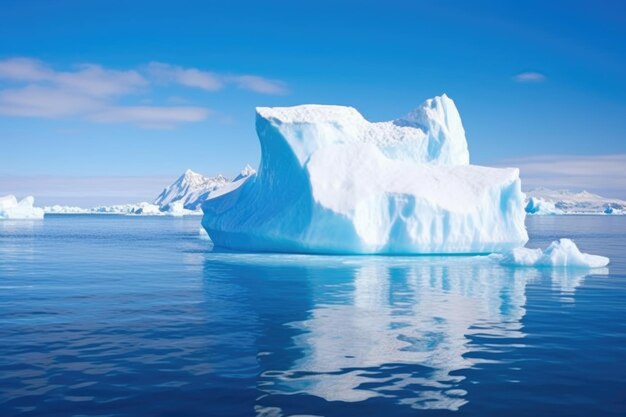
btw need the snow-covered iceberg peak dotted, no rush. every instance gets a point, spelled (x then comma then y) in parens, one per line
(11, 208)
(433, 133)
(332, 182)
(439, 118)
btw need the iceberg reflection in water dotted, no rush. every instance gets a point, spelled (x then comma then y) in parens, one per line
(132, 316)
(364, 327)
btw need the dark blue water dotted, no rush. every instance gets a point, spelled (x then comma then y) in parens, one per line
(127, 316)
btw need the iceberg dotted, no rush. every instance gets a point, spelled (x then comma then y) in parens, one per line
(539, 206)
(332, 182)
(11, 208)
(560, 253)
(59, 209)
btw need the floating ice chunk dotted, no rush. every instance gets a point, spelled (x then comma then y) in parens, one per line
(560, 253)
(58, 209)
(11, 208)
(332, 182)
(536, 205)
(137, 209)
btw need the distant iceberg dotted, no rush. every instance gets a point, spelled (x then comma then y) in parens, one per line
(560, 253)
(134, 209)
(544, 201)
(332, 182)
(11, 208)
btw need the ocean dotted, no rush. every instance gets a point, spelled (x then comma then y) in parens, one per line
(106, 315)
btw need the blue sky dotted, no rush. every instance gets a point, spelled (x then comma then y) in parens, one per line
(102, 101)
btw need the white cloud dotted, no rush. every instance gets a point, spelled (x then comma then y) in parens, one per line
(189, 77)
(96, 81)
(87, 79)
(529, 77)
(210, 81)
(46, 102)
(151, 116)
(604, 174)
(31, 88)
(24, 69)
(259, 84)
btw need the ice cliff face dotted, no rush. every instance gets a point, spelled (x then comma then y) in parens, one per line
(332, 182)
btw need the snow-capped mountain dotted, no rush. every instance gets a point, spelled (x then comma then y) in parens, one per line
(183, 197)
(546, 201)
(191, 188)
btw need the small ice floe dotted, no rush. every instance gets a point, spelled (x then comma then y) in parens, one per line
(560, 253)
(11, 208)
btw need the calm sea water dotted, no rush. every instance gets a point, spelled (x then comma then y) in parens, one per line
(129, 316)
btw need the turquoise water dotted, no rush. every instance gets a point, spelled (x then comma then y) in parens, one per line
(137, 316)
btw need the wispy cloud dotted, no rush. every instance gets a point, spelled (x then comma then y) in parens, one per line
(604, 174)
(259, 84)
(529, 77)
(46, 102)
(210, 81)
(189, 77)
(151, 117)
(87, 79)
(32, 88)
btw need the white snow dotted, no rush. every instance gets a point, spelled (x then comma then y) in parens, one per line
(544, 201)
(330, 181)
(560, 253)
(433, 133)
(191, 188)
(11, 208)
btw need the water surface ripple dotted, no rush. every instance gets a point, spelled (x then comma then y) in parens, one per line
(123, 316)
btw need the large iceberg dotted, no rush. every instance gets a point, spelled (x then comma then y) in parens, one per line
(332, 182)
(11, 208)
